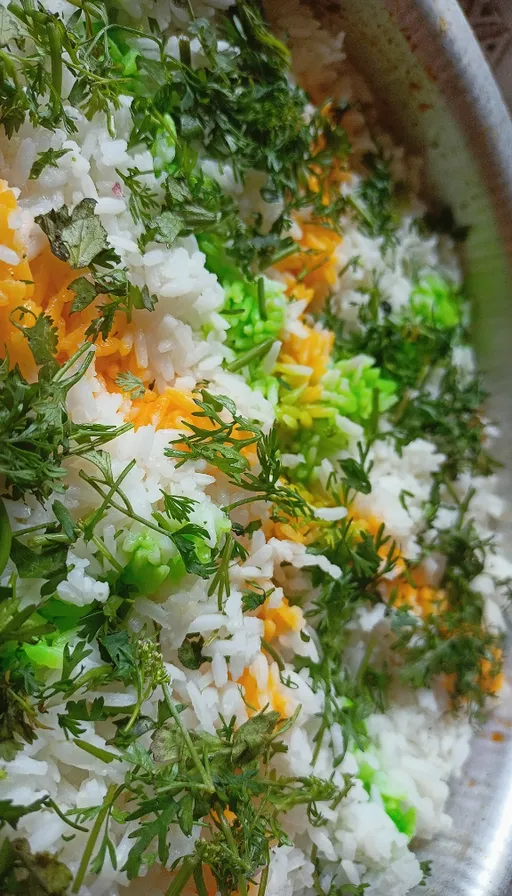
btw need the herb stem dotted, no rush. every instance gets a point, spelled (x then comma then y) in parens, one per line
(93, 836)
(264, 876)
(230, 840)
(366, 658)
(74, 358)
(273, 653)
(134, 516)
(261, 299)
(19, 532)
(72, 824)
(100, 440)
(194, 755)
(282, 254)
(259, 351)
(56, 66)
(183, 876)
(199, 881)
(316, 883)
(10, 68)
(140, 700)
(373, 424)
(96, 540)
(319, 736)
(177, 786)
(185, 55)
(229, 507)
(98, 513)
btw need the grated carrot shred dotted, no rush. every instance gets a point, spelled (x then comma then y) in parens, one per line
(281, 619)
(315, 262)
(170, 410)
(273, 694)
(311, 348)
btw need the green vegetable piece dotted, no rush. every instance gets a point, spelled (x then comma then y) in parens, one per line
(366, 774)
(47, 652)
(403, 817)
(255, 311)
(125, 57)
(350, 386)
(145, 569)
(146, 577)
(353, 388)
(436, 301)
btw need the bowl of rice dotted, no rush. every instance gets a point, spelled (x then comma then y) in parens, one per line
(254, 367)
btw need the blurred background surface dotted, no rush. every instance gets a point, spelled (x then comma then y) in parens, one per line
(492, 23)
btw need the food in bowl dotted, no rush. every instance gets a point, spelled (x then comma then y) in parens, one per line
(251, 591)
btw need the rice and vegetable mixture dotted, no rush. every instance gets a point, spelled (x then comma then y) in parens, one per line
(251, 599)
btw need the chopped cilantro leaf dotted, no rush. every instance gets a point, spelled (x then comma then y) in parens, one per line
(131, 384)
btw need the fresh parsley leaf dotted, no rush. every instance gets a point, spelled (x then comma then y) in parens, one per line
(178, 507)
(142, 298)
(355, 475)
(65, 519)
(85, 294)
(190, 653)
(36, 434)
(41, 336)
(187, 540)
(168, 228)
(43, 564)
(377, 193)
(144, 836)
(46, 159)
(72, 658)
(77, 237)
(118, 648)
(251, 739)
(254, 597)
(131, 384)
(142, 202)
(10, 813)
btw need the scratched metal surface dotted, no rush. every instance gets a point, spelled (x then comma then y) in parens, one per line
(435, 90)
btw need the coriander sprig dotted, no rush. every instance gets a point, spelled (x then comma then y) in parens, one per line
(221, 443)
(36, 432)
